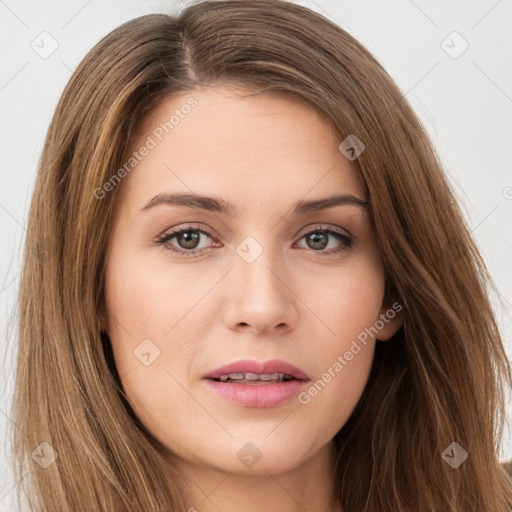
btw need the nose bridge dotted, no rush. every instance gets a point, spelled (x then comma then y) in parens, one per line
(257, 264)
(260, 296)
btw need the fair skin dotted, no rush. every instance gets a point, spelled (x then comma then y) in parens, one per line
(298, 301)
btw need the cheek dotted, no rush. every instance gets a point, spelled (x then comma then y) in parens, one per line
(152, 324)
(350, 301)
(147, 298)
(144, 302)
(349, 306)
(134, 310)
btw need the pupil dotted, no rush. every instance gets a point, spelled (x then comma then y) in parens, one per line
(188, 239)
(318, 238)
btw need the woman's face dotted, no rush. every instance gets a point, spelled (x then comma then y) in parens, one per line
(208, 326)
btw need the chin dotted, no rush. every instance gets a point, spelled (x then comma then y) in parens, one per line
(259, 456)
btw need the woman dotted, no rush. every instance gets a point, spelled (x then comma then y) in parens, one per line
(251, 285)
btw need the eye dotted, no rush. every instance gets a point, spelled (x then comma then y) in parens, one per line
(318, 239)
(188, 240)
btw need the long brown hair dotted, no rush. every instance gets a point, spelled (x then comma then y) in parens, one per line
(440, 380)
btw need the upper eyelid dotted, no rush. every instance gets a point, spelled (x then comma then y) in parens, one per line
(328, 227)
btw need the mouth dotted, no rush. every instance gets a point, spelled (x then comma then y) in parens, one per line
(255, 384)
(254, 379)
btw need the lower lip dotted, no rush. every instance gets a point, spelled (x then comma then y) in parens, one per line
(257, 395)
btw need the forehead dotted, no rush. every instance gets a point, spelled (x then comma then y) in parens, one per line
(245, 147)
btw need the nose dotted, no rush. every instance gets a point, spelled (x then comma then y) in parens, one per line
(261, 297)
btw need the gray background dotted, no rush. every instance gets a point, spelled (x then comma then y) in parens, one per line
(464, 99)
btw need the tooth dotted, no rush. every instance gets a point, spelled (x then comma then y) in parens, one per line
(279, 377)
(269, 376)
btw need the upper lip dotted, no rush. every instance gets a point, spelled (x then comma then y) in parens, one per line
(258, 367)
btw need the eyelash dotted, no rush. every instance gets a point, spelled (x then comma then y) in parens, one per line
(162, 240)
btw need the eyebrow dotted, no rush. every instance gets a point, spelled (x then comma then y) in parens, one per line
(214, 204)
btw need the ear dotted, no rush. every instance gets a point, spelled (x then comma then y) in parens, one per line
(390, 319)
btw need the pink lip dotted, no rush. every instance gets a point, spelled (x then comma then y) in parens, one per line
(251, 366)
(258, 395)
